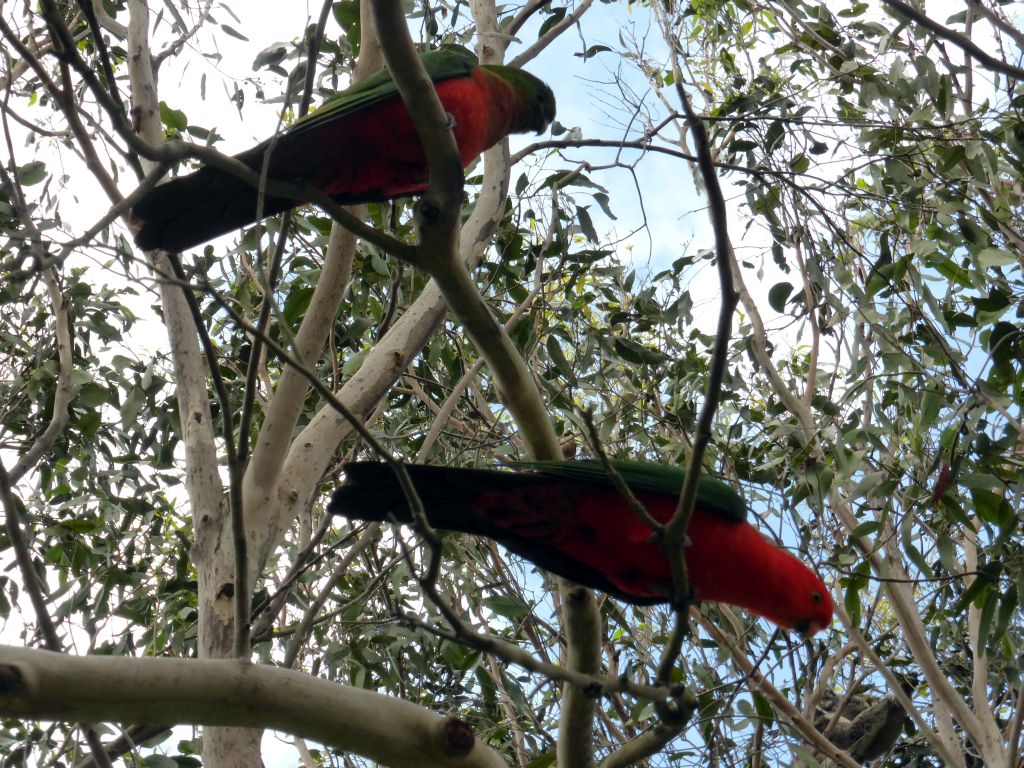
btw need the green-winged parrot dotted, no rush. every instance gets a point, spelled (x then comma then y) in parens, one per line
(359, 146)
(567, 517)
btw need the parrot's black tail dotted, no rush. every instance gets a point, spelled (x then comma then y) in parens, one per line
(523, 511)
(189, 210)
(371, 492)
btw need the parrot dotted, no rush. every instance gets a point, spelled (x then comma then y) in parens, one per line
(359, 146)
(567, 518)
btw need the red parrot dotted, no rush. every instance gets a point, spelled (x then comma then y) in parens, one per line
(567, 517)
(360, 146)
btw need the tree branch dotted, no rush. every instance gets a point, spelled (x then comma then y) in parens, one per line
(549, 37)
(783, 705)
(896, 590)
(675, 539)
(433, 126)
(62, 334)
(961, 41)
(52, 686)
(262, 490)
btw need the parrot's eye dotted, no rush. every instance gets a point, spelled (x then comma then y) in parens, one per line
(816, 597)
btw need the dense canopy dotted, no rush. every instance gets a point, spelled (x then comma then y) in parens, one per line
(811, 290)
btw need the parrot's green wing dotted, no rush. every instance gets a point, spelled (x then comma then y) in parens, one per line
(442, 64)
(712, 495)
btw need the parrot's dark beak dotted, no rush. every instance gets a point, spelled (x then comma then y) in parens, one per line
(808, 628)
(803, 628)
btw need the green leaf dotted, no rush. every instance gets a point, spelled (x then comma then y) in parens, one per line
(764, 709)
(271, 55)
(804, 755)
(592, 51)
(89, 423)
(157, 760)
(1009, 604)
(346, 13)
(931, 404)
(1002, 342)
(947, 556)
(974, 234)
(92, 396)
(174, 119)
(354, 362)
(778, 295)
(602, 200)
(633, 352)
(543, 761)
(570, 179)
(989, 603)
(993, 508)
(296, 304)
(774, 135)
(996, 257)
(821, 403)
(586, 223)
(232, 32)
(557, 357)
(915, 556)
(800, 164)
(865, 529)
(981, 585)
(509, 607)
(458, 656)
(742, 145)
(851, 601)
(557, 14)
(31, 173)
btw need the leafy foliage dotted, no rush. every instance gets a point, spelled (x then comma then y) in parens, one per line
(870, 415)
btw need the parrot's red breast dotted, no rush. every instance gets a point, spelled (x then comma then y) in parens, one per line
(360, 146)
(376, 154)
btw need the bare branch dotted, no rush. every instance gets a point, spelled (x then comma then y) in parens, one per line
(998, 21)
(651, 742)
(552, 34)
(30, 580)
(961, 41)
(51, 686)
(444, 195)
(782, 705)
(369, 535)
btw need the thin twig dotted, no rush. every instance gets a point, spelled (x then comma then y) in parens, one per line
(552, 34)
(961, 41)
(368, 536)
(266, 611)
(613, 474)
(594, 685)
(783, 705)
(1002, 24)
(30, 580)
(59, 414)
(674, 541)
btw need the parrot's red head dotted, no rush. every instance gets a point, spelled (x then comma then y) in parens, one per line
(807, 607)
(733, 563)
